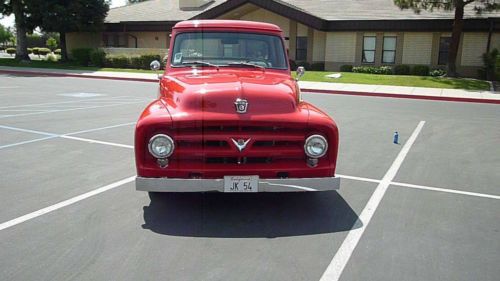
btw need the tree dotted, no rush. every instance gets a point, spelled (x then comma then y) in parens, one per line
(5, 35)
(72, 16)
(51, 43)
(26, 19)
(458, 23)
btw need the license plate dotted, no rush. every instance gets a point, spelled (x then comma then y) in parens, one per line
(241, 184)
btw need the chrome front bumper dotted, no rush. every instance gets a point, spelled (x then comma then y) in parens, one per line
(217, 185)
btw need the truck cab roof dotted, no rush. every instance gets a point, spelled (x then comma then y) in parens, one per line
(233, 24)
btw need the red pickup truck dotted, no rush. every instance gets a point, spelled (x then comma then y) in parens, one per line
(230, 118)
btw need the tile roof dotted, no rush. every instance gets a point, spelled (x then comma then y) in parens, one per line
(331, 10)
(155, 10)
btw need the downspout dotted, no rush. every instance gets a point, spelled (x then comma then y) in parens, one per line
(490, 33)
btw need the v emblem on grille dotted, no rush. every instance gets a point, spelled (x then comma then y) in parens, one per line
(241, 143)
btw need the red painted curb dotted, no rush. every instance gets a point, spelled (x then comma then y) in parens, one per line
(400, 96)
(333, 92)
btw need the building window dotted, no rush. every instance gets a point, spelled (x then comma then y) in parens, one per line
(444, 48)
(301, 51)
(389, 50)
(369, 44)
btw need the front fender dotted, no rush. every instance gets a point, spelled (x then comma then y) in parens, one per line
(155, 118)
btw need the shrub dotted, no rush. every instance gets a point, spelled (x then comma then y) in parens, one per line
(136, 62)
(11, 51)
(346, 68)
(147, 59)
(437, 72)
(30, 50)
(119, 62)
(293, 65)
(51, 43)
(44, 51)
(36, 51)
(305, 64)
(318, 66)
(2, 48)
(420, 70)
(57, 52)
(387, 70)
(82, 55)
(373, 70)
(98, 58)
(51, 58)
(402, 69)
(490, 61)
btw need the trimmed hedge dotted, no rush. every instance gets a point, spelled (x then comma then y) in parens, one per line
(51, 57)
(420, 70)
(402, 69)
(118, 62)
(11, 51)
(57, 52)
(346, 68)
(82, 55)
(30, 50)
(44, 51)
(373, 70)
(36, 51)
(437, 72)
(318, 66)
(98, 58)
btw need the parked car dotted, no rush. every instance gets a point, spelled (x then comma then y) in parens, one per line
(230, 118)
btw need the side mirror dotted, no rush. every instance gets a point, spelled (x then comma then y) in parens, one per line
(300, 72)
(155, 65)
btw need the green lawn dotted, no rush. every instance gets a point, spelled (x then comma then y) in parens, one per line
(316, 76)
(399, 80)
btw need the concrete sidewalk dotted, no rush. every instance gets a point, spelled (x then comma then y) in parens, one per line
(315, 87)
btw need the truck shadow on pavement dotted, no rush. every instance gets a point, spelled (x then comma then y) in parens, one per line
(249, 215)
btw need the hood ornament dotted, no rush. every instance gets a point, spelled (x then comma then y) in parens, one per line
(241, 143)
(241, 105)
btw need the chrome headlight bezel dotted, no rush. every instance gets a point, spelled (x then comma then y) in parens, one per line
(313, 138)
(156, 137)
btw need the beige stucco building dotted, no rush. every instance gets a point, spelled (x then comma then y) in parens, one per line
(328, 33)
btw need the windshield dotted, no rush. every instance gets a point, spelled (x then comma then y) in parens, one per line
(229, 49)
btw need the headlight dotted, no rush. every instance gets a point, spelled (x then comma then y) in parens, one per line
(316, 146)
(161, 146)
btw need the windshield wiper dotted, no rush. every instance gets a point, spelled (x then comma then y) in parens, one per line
(247, 64)
(200, 62)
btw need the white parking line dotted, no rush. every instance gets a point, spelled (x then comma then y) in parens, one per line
(453, 191)
(61, 102)
(26, 142)
(339, 261)
(66, 136)
(358, 178)
(65, 203)
(28, 131)
(100, 129)
(97, 141)
(69, 109)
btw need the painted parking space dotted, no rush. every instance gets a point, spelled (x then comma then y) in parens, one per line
(75, 192)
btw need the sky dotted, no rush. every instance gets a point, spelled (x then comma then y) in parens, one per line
(9, 21)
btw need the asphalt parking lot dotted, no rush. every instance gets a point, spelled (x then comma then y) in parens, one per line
(425, 209)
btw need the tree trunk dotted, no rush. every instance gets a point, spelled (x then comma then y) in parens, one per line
(21, 44)
(64, 52)
(458, 24)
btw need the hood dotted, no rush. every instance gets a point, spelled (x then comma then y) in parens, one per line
(216, 92)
